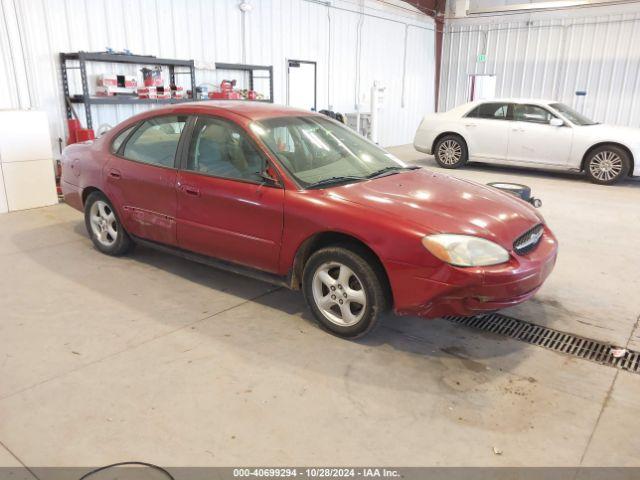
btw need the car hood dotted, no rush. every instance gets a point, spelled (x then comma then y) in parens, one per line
(438, 203)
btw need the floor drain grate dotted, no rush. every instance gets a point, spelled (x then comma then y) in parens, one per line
(556, 340)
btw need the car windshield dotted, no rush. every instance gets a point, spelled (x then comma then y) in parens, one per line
(319, 152)
(572, 115)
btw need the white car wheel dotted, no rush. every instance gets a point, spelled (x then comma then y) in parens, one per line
(451, 151)
(607, 165)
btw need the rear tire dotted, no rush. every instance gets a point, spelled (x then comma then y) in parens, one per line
(104, 227)
(607, 165)
(345, 291)
(451, 151)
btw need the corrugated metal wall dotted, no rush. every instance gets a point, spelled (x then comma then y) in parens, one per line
(33, 32)
(545, 57)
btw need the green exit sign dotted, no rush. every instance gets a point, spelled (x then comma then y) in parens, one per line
(482, 57)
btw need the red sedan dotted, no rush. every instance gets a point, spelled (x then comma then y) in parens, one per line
(298, 199)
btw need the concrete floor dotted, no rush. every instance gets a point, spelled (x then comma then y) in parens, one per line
(150, 357)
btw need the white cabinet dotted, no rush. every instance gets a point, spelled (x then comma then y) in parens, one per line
(4, 207)
(26, 166)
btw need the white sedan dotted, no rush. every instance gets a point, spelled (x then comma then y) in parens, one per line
(530, 133)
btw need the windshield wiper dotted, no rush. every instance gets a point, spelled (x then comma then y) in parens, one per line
(335, 180)
(390, 171)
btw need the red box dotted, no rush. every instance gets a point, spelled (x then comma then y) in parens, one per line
(118, 81)
(152, 77)
(226, 95)
(177, 92)
(148, 92)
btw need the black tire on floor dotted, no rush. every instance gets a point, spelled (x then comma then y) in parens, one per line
(122, 243)
(451, 151)
(367, 280)
(607, 165)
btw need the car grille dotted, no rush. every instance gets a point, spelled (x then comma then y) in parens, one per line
(528, 241)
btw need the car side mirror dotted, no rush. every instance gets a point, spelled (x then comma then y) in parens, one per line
(556, 122)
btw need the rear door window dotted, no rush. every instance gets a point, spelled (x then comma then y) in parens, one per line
(491, 111)
(121, 137)
(156, 141)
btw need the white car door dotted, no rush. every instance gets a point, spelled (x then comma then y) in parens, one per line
(532, 140)
(486, 131)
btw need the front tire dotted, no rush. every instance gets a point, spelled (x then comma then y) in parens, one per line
(344, 291)
(451, 152)
(607, 165)
(104, 227)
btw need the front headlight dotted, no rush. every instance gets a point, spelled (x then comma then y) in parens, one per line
(465, 250)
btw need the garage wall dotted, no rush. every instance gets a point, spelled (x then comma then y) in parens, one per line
(353, 43)
(551, 55)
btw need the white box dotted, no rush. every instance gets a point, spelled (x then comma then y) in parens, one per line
(26, 163)
(24, 135)
(29, 184)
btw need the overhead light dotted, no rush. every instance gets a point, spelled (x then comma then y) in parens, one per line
(246, 7)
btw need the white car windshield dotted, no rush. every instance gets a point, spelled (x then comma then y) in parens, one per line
(572, 115)
(318, 151)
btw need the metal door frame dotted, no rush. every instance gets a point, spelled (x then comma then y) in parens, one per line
(315, 80)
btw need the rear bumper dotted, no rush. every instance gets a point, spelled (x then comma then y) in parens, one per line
(423, 140)
(471, 291)
(422, 148)
(72, 195)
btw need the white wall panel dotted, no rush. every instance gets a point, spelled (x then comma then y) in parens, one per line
(551, 55)
(34, 32)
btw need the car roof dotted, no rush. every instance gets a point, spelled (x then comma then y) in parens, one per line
(538, 101)
(253, 110)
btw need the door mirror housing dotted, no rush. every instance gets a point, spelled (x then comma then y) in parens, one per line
(556, 122)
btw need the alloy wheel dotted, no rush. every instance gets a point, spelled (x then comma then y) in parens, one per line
(449, 152)
(339, 294)
(103, 223)
(606, 165)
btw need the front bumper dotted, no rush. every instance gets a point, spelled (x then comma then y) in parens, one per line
(470, 291)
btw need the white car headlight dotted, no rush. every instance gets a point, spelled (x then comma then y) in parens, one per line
(465, 250)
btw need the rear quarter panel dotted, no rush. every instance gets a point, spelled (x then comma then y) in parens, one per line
(433, 126)
(82, 167)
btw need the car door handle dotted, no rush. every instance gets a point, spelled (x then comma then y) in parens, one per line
(113, 173)
(189, 190)
(517, 129)
(470, 124)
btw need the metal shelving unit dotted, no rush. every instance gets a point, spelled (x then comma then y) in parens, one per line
(87, 100)
(251, 69)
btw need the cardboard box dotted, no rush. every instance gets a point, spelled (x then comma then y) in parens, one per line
(177, 92)
(104, 92)
(148, 92)
(110, 91)
(114, 80)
